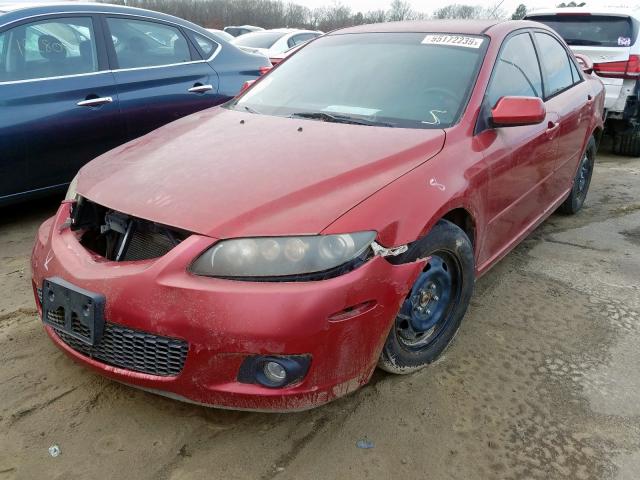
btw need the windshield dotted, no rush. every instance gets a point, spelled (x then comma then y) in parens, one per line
(258, 39)
(590, 30)
(411, 80)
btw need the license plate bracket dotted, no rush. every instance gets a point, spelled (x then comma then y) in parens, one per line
(75, 311)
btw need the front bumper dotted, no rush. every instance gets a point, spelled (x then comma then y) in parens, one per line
(224, 321)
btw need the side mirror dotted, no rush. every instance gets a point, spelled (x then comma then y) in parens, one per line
(517, 111)
(585, 63)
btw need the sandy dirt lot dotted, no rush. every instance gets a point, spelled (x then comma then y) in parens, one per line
(542, 382)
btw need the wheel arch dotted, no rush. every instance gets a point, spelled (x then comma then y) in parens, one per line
(463, 218)
(597, 135)
(460, 214)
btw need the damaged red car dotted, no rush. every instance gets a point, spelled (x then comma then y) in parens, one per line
(270, 253)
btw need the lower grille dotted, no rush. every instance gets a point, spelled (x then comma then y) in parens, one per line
(131, 349)
(56, 317)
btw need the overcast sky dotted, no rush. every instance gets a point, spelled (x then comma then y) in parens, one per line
(428, 6)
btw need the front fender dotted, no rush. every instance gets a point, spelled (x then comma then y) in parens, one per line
(407, 209)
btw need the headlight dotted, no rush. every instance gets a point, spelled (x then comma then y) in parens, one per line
(71, 191)
(265, 257)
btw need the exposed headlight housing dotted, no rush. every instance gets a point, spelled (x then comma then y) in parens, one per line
(72, 194)
(285, 258)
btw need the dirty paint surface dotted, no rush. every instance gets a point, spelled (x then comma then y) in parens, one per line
(543, 380)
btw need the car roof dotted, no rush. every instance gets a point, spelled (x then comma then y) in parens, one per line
(467, 27)
(10, 12)
(289, 30)
(243, 26)
(10, 7)
(613, 11)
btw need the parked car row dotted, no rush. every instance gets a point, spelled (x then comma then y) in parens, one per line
(271, 252)
(272, 43)
(79, 80)
(611, 39)
(236, 31)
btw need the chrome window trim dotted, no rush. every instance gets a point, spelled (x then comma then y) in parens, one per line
(29, 80)
(210, 59)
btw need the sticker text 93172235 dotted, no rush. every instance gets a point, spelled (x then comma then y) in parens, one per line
(452, 40)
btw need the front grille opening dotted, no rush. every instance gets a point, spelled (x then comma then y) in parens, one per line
(120, 237)
(78, 327)
(56, 317)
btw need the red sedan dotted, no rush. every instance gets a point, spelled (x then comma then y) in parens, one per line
(270, 253)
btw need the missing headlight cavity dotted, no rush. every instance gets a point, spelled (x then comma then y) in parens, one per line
(120, 237)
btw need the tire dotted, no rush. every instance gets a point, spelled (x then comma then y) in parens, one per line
(431, 314)
(628, 143)
(581, 181)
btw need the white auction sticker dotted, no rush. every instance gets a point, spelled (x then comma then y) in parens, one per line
(624, 41)
(452, 40)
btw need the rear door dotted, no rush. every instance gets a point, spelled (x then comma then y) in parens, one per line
(160, 74)
(58, 101)
(568, 95)
(605, 39)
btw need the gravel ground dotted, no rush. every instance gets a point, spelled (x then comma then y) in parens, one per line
(542, 382)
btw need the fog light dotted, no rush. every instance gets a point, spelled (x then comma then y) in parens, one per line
(275, 372)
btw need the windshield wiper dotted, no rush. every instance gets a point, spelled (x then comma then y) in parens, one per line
(331, 117)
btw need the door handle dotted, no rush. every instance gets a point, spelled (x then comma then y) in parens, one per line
(589, 99)
(552, 127)
(200, 88)
(95, 102)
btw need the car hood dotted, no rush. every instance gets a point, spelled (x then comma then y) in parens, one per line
(224, 173)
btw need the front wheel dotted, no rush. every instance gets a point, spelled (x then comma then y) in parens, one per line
(431, 314)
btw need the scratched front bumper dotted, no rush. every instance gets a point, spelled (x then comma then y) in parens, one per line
(224, 321)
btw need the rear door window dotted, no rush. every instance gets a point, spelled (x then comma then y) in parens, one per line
(300, 38)
(591, 30)
(140, 43)
(517, 72)
(574, 71)
(555, 64)
(48, 48)
(207, 46)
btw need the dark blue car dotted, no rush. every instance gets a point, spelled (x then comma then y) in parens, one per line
(78, 80)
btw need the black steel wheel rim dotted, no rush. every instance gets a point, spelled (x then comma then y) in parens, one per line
(430, 306)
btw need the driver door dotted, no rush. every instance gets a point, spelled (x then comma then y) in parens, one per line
(58, 102)
(521, 160)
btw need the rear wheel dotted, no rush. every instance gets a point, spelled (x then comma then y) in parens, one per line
(581, 181)
(627, 143)
(431, 314)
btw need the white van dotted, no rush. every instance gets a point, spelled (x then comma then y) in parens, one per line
(610, 37)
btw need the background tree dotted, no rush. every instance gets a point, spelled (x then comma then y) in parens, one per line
(400, 10)
(287, 13)
(571, 4)
(520, 12)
